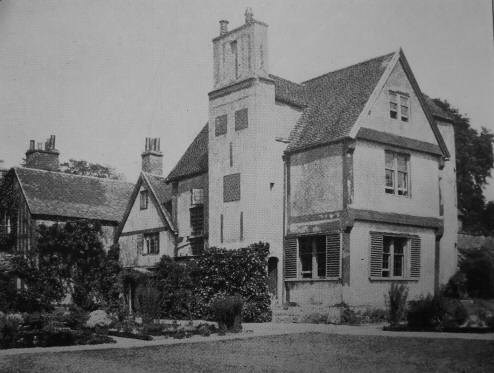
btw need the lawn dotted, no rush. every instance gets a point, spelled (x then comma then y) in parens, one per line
(309, 352)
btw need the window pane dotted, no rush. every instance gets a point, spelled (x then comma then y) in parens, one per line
(389, 156)
(402, 162)
(398, 265)
(404, 100)
(305, 252)
(404, 110)
(393, 97)
(402, 180)
(393, 106)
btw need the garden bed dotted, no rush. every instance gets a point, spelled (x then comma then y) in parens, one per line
(405, 328)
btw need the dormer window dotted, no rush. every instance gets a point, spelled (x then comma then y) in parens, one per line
(399, 106)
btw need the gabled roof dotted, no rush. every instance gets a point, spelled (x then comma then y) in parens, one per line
(59, 194)
(335, 100)
(195, 159)
(160, 193)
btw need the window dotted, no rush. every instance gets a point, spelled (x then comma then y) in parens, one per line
(231, 188)
(396, 173)
(197, 196)
(234, 51)
(241, 119)
(231, 155)
(197, 220)
(144, 199)
(312, 254)
(220, 125)
(394, 256)
(401, 107)
(151, 244)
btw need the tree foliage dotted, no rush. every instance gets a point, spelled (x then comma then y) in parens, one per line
(70, 259)
(84, 168)
(474, 161)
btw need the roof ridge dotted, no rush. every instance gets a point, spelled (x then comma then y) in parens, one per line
(73, 175)
(347, 67)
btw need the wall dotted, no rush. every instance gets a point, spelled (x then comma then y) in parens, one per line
(369, 182)
(316, 181)
(130, 258)
(448, 245)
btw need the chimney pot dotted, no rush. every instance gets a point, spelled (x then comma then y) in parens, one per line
(152, 158)
(223, 27)
(249, 15)
(32, 145)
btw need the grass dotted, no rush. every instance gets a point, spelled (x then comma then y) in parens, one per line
(309, 352)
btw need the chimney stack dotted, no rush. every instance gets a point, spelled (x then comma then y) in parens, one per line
(43, 158)
(152, 158)
(223, 27)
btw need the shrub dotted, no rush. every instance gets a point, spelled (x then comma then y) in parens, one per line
(227, 311)
(426, 312)
(396, 301)
(148, 302)
(349, 316)
(478, 267)
(98, 319)
(456, 286)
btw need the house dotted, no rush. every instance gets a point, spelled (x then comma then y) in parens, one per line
(349, 176)
(39, 194)
(166, 216)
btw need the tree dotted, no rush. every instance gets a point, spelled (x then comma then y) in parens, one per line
(81, 167)
(70, 259)
(474, 161)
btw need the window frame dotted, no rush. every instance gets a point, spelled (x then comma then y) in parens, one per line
(405, 255)
(399, 106)
(315, 252)
(151, 244)
(240, 115)
(395, 172)
(221, 125)
(144, 199)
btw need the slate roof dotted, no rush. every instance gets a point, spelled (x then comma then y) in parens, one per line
(162, 189)
(195, 159)
(74, 196)
(289, 92)
(335, 100)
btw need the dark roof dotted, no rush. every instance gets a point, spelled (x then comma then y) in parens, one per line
(289, 92)
(66, 195)
(335, 100)
(436, 110)
(195, 159)
(162, 189)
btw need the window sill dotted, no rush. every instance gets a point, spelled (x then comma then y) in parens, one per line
(387, 279)
(327, 279)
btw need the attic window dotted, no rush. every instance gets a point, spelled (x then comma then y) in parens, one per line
(144, 199)
(399, 109)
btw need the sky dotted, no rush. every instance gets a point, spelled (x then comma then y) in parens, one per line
(104, 74)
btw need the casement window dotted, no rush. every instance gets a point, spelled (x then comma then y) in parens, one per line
(151, 244)
(399, 106)
(197, 196)
(220, 125)
(241, 119)
(144, 199)
(231, 188)
(394, 256)
(313, 257)
(397, 174)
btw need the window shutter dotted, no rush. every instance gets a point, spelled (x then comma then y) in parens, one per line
(376, 254)
(140, 243)
(290, 265)
(333, 255)
(415, 257)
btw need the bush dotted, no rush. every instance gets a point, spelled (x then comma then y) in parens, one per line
(426, 313)
(478, 267)
(227, 312)
(396, 302)
(456, 286)
(98, 319)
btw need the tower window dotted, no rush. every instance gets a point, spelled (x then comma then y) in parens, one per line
(241, 119)
(220, 125)
(234, 50)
